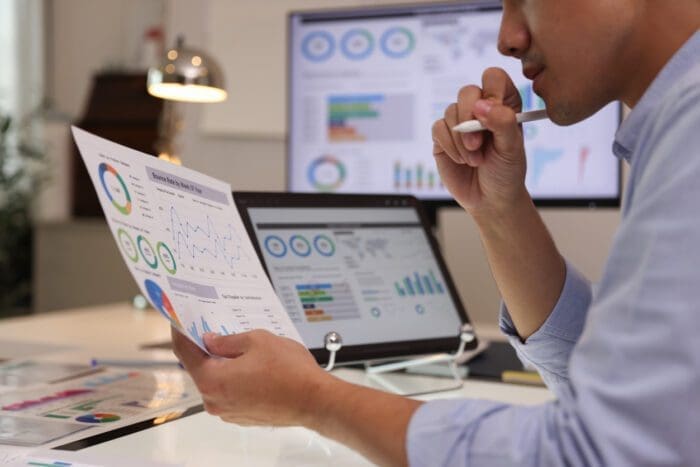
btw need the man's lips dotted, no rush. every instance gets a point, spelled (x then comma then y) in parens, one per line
(532, 72)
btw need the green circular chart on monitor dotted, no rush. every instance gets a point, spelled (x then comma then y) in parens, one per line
(115, 188)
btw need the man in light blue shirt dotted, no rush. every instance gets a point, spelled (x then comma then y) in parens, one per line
(623, 360)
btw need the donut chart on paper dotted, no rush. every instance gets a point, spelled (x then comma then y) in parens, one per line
(161, 302)
(167, 258)
(147, 252)
(128, 245)
(117, 193)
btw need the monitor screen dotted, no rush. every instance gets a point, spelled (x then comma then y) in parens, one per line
(365, 266)
(369, 273)
(366, 85)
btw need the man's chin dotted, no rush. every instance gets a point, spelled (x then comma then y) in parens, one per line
(564, 115)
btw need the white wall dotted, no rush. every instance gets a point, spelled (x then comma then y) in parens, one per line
(89, 36)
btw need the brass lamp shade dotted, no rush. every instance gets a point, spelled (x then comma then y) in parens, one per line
(187, 75)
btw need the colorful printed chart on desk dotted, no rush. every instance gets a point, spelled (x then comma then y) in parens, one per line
(88, 405)
(183, 241)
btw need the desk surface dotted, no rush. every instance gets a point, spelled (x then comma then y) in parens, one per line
(118, 331)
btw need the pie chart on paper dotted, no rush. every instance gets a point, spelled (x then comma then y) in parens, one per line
(98, 418)
(161, 301)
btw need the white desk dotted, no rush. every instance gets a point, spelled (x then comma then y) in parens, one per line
(117, 331)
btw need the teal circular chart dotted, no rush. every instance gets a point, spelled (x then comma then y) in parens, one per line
(420, 309)
(326, 173)
(357, 44)
(166, 257)
(300, 245)
(99, 417)
(128, 245)
(397, 42)
(376, 311)
(115, 188)
(324, 245)
(147, 252)
(275, 246)
(318, 46)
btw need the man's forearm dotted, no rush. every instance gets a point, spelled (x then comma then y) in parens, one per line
(525, 263)
(372, 422)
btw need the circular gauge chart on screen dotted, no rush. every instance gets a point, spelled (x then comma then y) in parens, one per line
(357, 44)
(115, 188)
(324, 245)
(275, 246)
(326, 173)
(300, 245)
(397, 42)
(161, 302)
(99, 417)
(318, 46)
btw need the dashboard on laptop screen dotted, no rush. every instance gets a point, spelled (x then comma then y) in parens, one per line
(368, 273)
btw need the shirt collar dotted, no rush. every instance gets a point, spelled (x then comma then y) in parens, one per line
(682, 61)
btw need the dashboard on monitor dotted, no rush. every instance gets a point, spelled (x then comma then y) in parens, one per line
(366, 85)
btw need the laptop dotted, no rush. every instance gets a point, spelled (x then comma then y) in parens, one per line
(364, 266)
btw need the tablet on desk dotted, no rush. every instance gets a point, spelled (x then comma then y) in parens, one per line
(365, 266)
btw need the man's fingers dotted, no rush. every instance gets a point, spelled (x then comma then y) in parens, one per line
(443, 142)
(191, 356)
(497, 86)
(471, 157)
(230, 346)
(466, 98)
(500, 120)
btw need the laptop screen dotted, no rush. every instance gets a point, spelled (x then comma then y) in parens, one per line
(369, 273)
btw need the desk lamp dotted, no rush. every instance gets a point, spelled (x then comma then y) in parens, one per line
(184, 75)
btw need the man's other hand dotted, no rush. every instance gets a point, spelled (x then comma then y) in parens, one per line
(253, 378)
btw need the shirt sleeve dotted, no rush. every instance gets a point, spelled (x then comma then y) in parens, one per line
(631, 395)
(549, 348)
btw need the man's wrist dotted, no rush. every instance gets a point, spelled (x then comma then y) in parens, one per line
(319, 400)
(493, 217)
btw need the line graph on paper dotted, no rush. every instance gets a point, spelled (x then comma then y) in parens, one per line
(205, 244)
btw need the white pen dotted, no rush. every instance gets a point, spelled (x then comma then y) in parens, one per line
(471, 126)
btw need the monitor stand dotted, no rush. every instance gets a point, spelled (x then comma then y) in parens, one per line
(395, 377)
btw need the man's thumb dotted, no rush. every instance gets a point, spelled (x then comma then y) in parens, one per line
(230, 346)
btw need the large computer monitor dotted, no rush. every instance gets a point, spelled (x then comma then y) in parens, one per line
(365, 86)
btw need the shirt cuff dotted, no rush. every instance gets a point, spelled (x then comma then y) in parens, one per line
(549, 348)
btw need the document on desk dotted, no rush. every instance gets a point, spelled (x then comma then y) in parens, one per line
(52, 414)
(183, 240)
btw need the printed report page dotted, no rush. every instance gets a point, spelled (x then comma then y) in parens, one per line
(184, 242)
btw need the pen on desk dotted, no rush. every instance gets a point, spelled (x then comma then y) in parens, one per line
(471, 126)
(133, 363)
(522, 377)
